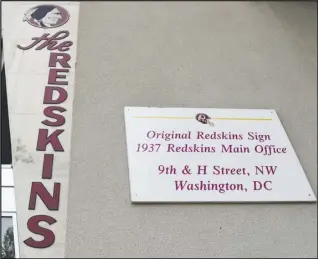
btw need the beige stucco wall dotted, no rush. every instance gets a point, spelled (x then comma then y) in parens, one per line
(193, 54)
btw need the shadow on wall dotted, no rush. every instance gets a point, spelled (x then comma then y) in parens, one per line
(300, 19)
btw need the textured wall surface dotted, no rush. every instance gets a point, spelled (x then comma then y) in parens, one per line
(193, 54)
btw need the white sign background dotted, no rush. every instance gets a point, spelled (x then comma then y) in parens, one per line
(289, 183)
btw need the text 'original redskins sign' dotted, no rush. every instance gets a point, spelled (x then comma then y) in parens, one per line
(49, 134)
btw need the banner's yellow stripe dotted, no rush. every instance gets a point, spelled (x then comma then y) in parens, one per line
(189, 118)
(162, 117)
(244, 119)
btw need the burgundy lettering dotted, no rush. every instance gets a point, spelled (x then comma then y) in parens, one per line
(35, 228)
(48, 95)
(36, 41)
(51, 202)
(202, 168)
(44, 140)
(59, 64)
(50, 43)
(65, 46)
(61, 58)
(266, 187)
(258, 185)
(53, 76)
(47, 166)
(59, 119)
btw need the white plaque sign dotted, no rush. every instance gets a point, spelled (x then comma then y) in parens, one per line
(212, 155)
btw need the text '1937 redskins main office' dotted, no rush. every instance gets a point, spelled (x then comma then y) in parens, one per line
(158, 129)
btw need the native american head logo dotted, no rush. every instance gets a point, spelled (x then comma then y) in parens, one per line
(46, 16)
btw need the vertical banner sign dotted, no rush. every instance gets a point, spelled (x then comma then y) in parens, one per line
(40, 41)
(212, 155)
